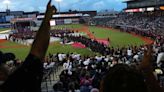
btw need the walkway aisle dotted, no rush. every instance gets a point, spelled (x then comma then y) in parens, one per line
(47, 86)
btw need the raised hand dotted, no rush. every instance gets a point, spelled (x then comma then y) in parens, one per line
(51, 9)
(146, 63)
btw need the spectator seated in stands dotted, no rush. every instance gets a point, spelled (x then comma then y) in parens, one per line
(88, 72)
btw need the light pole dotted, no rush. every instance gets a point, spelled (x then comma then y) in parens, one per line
(6, 2)
(58, 1)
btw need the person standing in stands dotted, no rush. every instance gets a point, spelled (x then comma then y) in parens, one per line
(28, 77)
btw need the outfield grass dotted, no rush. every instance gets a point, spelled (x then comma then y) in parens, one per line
(117, 39)
(58, 48)
(21, 52)
(8, 43)
(71, 26)
(3, 29)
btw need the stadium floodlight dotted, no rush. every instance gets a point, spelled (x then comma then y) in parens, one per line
(6, 2)
(58, 1)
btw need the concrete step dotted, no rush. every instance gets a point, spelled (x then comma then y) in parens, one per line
(47, 85)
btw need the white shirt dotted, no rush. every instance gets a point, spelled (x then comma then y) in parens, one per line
(106, 59)
(77, 56)
(160, 58)
(136, 57)
(51, 64)
(67, 65)
(86, 62)
(60, 57)
(129, 52)
(45, 64)
(98, 58)
(63, 56)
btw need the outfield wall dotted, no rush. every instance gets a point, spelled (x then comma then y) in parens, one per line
(60, 21)
(66, 21)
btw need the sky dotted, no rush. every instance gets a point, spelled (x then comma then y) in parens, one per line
(65, 5)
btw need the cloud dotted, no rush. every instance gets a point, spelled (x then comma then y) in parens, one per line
(42, 8)
(95, 4)
(40, 5)
(99, 5)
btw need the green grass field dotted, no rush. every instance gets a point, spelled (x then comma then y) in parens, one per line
(21, 52)
(117, 38)
(3, 29)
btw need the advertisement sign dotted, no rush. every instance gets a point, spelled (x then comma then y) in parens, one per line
(161, 7)
(52, 22)
(150, 9)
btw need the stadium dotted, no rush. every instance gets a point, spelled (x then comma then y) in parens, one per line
(88, 50)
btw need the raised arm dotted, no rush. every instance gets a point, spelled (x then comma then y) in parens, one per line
(28, 77)
(41, 42)
(146, 67)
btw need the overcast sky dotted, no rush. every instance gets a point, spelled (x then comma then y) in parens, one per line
(39, 5)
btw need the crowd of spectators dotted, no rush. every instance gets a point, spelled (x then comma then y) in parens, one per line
(141, 22)
(149, 25)
(22, 34)
(114, 70)
(92, 44)
(60, 32)
(84, 74)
